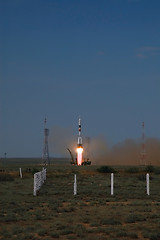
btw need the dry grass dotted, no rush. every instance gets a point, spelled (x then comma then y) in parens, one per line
(92, 214)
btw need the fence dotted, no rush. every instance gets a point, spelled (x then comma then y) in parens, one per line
(112, 184)
(39, 179)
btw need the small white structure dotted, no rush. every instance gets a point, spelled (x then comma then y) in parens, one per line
(112, 183)
(75, 184)
(39, 179)
(20, 172)
(147, 183)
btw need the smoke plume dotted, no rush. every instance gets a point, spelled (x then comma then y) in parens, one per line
(98, 151)
(126, 152)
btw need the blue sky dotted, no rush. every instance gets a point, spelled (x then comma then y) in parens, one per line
(65, 58)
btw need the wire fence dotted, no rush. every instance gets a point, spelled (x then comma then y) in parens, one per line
(39, 179)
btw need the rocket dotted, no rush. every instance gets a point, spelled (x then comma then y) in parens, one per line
(79, 126)
(79, 143)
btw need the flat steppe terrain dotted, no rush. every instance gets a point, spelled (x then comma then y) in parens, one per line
(55, 213)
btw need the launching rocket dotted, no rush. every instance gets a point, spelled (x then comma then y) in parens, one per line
(80, 160)
(79, 144)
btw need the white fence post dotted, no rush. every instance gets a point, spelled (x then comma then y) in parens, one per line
(112, 183)
(147, 182)
(75, 184)
(20, 172)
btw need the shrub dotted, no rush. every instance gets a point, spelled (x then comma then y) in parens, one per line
(35, 170)
(157, 170)
(28, 170)
(106, 169)
(6, 234)
(10, 218)
(146, 234)
(6, 177)
(95, 224)
(41, 232)
(155, 236)
(68, 209)
(132, 170)
(71, 237)
(54, 235)
(66, 232)
(17, 230)
(121, 234)
(29, 236)
(149, 169)
(80, 230)
(132, 218)
(142, 177)
(110, 221)
(132, 235)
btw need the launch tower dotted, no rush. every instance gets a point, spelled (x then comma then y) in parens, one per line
(45, 157)
(143, 150)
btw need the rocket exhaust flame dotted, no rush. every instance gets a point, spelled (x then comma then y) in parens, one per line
(79, 155)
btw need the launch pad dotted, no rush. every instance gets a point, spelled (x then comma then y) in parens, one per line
(73, 160)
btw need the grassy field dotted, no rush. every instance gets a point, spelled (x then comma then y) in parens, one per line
(92, 214)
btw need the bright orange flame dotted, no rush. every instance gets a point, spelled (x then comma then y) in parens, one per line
(79, 155)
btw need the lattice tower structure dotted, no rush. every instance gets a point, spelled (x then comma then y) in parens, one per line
(45, 157)
(143, 148)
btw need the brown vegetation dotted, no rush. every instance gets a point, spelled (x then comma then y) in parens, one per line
(92, 214)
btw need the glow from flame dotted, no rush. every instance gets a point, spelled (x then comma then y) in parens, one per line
(79, 155)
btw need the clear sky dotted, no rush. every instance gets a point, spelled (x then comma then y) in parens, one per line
(99, 59)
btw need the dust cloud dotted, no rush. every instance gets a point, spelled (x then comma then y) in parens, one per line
(126, 152)
(153, 151)
(98, 150)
